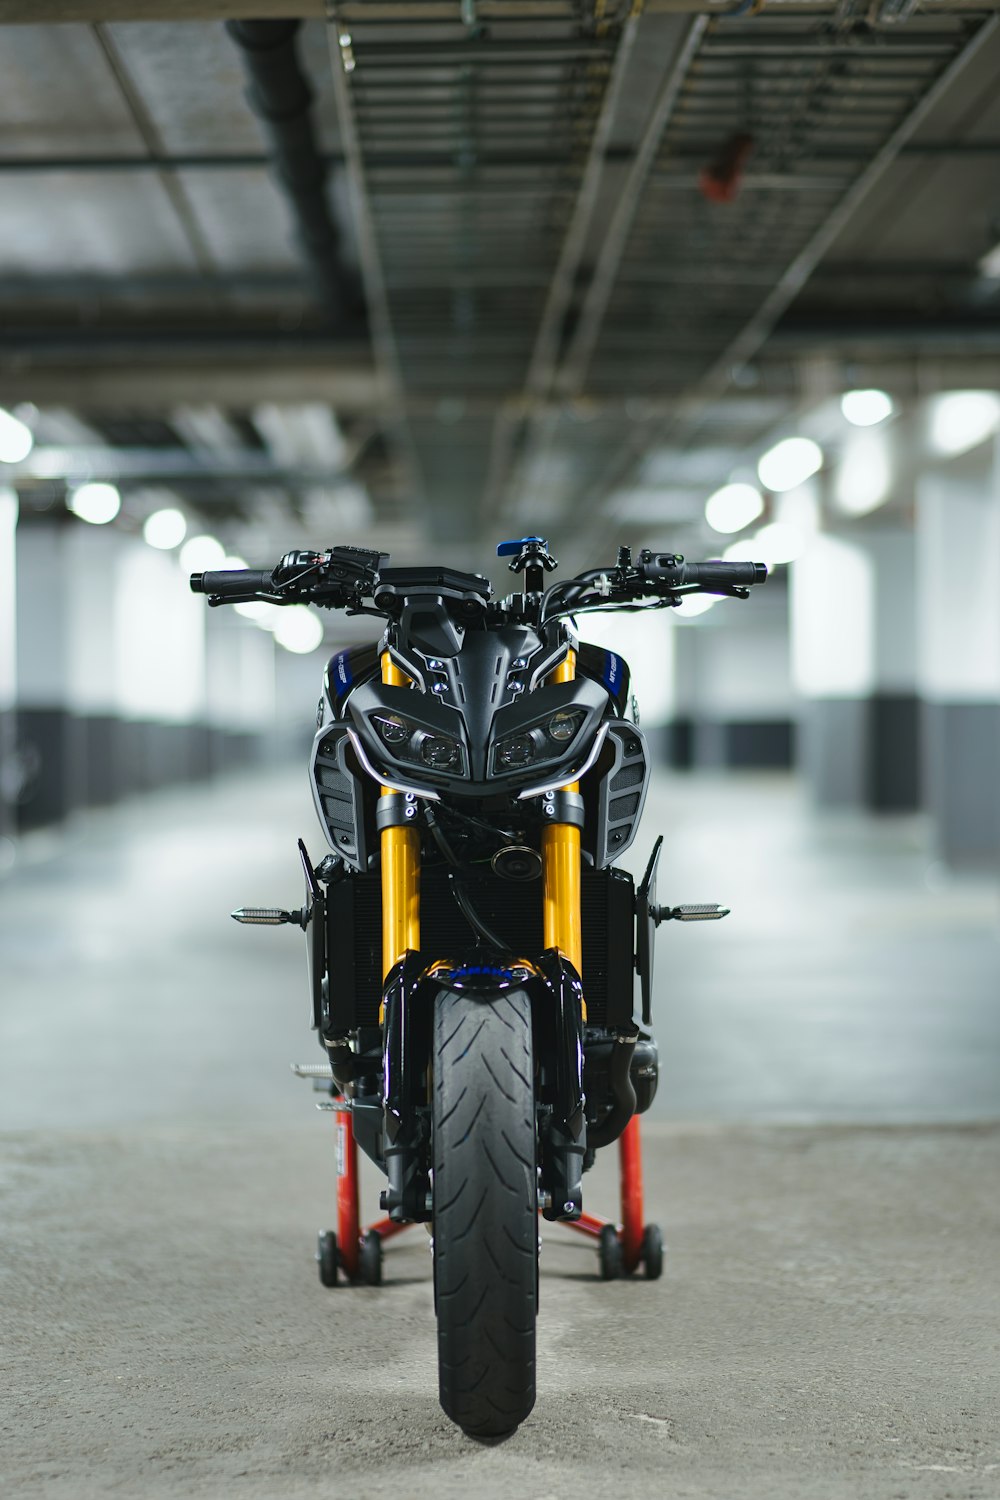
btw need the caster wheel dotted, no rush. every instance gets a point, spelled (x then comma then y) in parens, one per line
(326, 1257)
(651, 1253)
(370, 1258)
(609, 1250)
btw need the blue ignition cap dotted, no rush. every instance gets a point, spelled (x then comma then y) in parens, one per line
(508, 549)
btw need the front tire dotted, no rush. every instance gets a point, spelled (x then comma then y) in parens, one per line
(485, 1197)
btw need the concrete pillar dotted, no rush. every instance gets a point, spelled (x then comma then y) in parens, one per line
(159, 669)
(855, 667)
(958, 584)
(894, 719)
(239, 689)
(47, 748)
(734, 684)
(833, 657)
(91, 556)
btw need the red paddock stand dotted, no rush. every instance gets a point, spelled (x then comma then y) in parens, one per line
(622, 1249)
(355, 1252)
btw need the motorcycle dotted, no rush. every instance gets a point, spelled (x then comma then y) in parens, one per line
(472, 943)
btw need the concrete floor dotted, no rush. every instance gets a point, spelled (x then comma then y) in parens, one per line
(822, 1159)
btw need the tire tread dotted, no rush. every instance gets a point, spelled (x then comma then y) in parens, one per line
(485, 1259)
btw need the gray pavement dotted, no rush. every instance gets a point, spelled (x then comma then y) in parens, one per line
(823, 1157)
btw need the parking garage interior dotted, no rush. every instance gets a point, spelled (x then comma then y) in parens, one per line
(421, 276)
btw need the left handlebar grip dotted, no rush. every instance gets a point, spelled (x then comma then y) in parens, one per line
(236, 583)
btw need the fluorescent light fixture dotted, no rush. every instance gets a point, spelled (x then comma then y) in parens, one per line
(16, 440)
(694, 605)
(299, 629)
(165, 529)
(97, 502)
(789, 463)
(866, 408)
(202, 554)
(778, 543)
(961, 420)
(733, 507)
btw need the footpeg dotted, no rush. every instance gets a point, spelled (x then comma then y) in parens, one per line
(709, 912)
(269, 916)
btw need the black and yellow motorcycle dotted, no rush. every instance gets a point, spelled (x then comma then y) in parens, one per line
(473, 945)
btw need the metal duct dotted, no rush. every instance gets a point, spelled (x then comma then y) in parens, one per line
(280, 97)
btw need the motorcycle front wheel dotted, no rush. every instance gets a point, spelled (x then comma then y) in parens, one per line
(485, 1206)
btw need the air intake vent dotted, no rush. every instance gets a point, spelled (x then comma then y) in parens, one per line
(338, 793)
(621, 792)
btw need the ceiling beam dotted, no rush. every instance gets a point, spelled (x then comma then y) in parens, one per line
(236, 383)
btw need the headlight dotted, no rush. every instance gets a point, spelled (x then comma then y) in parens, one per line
(393, 728)
(410, 743)
(563, 725)
(546, 741)
(441, 753)
(515, 751)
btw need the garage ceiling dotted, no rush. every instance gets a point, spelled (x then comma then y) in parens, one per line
(586, 257)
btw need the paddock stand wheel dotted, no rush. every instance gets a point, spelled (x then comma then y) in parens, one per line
(651, 1253)
(326, 1257)
(370, 1258)
(609, 1253)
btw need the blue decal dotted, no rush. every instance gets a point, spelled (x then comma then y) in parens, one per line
(612, 672)
(340, 673)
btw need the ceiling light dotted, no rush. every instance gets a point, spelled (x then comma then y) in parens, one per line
(300, 629)
(733, 507)
(789, 463)
(866, 408)
(96, 502)
(16, 440)
(165, 529)
(960, 420)
(202, 554)
(778, 543)
(693, 605)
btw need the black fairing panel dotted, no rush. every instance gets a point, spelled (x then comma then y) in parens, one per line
(345, 671)
(609, 669)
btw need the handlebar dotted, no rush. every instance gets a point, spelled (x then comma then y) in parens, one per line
(237, 584)
(346, 577)
(668, 571)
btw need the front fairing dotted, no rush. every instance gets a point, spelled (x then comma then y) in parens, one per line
(490, 693)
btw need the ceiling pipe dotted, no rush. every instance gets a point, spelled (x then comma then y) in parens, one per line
(281, 98)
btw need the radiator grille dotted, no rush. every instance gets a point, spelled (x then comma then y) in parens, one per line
(513, 910)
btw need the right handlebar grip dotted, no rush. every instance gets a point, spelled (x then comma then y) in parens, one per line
(238, 581)
(723, 572)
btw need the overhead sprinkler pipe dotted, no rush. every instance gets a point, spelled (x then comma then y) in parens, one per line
(281, 98)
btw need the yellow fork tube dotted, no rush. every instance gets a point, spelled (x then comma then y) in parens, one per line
(400, 868)
(561, 924)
